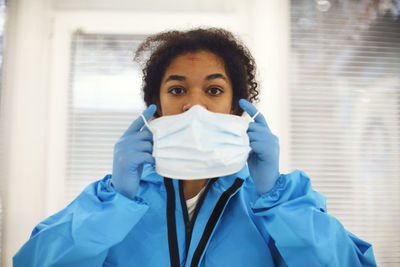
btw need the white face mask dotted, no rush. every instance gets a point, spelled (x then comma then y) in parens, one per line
(199, 144)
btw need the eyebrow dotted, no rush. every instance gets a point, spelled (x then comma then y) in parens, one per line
(175, 78)
(183, 78)
(215, 76)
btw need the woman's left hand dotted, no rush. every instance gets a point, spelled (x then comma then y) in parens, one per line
(263, 160)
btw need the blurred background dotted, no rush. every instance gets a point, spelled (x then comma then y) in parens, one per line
(330, 79)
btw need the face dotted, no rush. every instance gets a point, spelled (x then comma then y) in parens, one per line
(197, 78)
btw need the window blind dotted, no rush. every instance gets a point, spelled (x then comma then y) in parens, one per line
(104, 99)
(345, 113)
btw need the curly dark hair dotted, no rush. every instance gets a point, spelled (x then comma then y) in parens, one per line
(164, 47)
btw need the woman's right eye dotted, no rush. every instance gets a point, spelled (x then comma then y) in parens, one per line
(176, 91)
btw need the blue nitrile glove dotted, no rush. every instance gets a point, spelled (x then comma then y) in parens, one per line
(263, 160)
(131, 152)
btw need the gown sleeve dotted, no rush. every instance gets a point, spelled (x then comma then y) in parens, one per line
(82, 233)
(302, 231)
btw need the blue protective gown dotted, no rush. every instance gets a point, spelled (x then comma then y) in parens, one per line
(233, 226)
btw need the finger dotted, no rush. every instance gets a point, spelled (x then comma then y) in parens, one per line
(147, 158)
(133, 159)
(257, 127)
(252, 110)
(129, 141)
(144, 146)
(257, 147)
(269, 139)
(145, 135)
(255, 136)
(138, 123)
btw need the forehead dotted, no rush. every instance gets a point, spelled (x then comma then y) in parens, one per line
(196, 60)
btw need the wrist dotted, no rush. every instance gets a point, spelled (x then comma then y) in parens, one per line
(266, 183)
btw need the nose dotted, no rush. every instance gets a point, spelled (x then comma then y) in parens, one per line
(195, 97)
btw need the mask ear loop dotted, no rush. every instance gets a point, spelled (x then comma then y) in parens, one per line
(145, 122)
(148, 126)
(255, 115)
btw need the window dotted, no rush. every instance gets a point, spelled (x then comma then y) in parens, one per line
(345, 113)
(104, 99)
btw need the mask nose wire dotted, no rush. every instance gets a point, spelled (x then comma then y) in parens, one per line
(255, 115)
(145, 121)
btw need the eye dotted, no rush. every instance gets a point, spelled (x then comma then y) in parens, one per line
(176, 91)
(214, 91)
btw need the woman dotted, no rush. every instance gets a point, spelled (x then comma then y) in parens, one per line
(251, 217)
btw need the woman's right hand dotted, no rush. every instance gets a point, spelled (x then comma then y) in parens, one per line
(131, 152)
